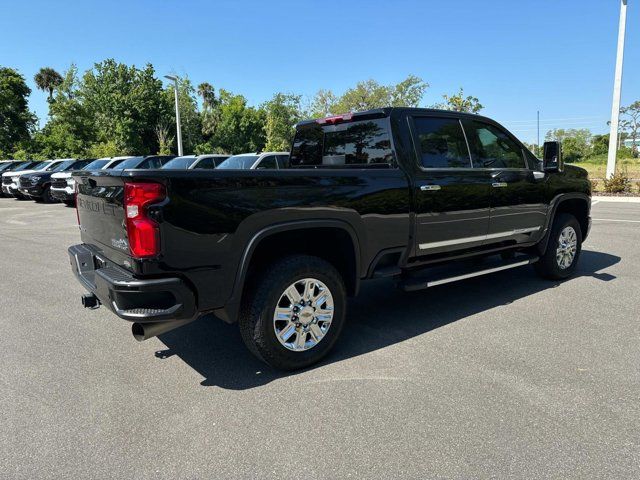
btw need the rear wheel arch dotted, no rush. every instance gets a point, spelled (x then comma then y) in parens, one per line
(333, 240)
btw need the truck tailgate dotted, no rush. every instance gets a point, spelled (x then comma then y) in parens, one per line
(101, 214)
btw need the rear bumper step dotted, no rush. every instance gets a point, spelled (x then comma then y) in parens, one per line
(436, 276)
(133, 299)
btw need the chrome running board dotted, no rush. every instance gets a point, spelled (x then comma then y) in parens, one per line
(442, 275)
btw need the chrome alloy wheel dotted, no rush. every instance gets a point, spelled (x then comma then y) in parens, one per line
(567, 248)
(303, 314)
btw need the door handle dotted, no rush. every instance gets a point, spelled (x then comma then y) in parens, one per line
(429, 188)
(499, 184)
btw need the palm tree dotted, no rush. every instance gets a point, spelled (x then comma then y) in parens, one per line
(207, 92)
(47, 79)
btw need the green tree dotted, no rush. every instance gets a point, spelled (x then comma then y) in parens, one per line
(125, 104)
(600, 144)
(190, 120)
(210, 115)
(322, 104)
(16, 121)
(364, 96)
(208, 94)
(575, 142)
(47, 80)
(165, 139)
(239, 128)
(70, 130)
(408, 93)
(631, 124)
(459, 103)
(282, 113)
(370, 94)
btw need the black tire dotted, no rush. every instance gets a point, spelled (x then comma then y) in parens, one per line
(46, 195)
(70, 203)
(259, 303)
(548, 266)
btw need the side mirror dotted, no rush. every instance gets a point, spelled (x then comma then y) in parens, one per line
(552, 157)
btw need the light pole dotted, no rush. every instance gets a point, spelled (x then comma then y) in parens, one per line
(538, 145)
(175, 83)
(617, 87)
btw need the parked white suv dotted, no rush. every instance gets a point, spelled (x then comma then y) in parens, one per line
(63, 186)
(10, 180)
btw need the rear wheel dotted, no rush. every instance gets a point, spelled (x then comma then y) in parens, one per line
(293, 314)
(560, 259)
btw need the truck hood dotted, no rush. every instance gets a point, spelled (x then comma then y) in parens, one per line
(17, 174)
(575, 171)
(61, 175)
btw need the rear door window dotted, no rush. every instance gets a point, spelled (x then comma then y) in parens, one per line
(492, 147)
(151, 163)
(206, 163)
(283, 161)
(267, 162)
(441, 143)
(360, 143)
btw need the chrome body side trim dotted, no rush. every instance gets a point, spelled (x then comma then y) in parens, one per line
(479, 238)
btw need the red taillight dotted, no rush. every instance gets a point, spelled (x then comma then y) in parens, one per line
(335, 119)
(143, 232)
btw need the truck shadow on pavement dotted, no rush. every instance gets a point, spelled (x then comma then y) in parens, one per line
(381, 315)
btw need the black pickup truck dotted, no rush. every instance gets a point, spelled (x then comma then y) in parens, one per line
(425, 196)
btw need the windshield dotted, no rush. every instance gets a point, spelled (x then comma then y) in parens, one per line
(179, 163)
(46, 166)
(26, 166)
(129, 163)
(96, 165)
(115, 163)
(62, 166)
(239, 162)
(4, 166)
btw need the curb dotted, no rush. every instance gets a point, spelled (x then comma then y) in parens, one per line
(616, 199)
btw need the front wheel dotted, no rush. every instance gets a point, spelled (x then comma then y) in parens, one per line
(46, 195)
(560, 259)
(294, 312)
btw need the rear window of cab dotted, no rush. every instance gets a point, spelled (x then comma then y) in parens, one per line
(352, 144)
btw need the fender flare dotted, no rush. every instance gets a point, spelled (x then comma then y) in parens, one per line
(229, 312)
(555, 202)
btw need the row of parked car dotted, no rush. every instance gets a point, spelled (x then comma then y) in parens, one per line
(51, 180)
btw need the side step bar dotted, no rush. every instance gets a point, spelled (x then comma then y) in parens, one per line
(442, 276)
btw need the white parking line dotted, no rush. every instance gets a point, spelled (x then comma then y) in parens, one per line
(615, 220)
(595, 202)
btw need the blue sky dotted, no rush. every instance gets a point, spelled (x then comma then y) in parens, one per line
(517, 57)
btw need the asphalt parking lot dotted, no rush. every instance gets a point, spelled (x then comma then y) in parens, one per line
(503, 376)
